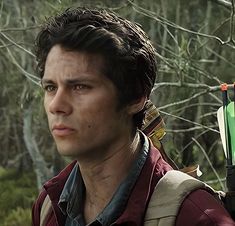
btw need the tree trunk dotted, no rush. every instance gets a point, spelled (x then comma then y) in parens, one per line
(40, 167)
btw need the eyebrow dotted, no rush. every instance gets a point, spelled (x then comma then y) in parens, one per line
(46, 81)
(67, 81)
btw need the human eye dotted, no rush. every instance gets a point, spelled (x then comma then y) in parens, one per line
(80, 87)
(49, 88)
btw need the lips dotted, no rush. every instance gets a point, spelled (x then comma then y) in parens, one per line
(62, 130)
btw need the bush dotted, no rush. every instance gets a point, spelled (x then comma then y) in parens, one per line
(18, 217)
(17, 193)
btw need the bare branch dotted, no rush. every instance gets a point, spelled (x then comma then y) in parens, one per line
(217, 105)
(232, 23)
(1, 8)
(40, 166)
(189, 85)
(171, 64)
(185, 100)
(190, 142)
(220, 56)
(187, 130)
(215, 97)
(17, 45)
(31, 77)
(208, 160)
(224, 3)
(20, 28)
(163, 21)
(208, 114)
(11, 44)
(189, 121)
(216, 181)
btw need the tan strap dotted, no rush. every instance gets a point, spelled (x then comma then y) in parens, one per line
(45, 210)
(171, 191)
(168, 196)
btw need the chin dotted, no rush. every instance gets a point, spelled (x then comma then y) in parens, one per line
(66, 151)
(70, 151)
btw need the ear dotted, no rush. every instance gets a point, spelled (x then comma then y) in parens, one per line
(137, 105)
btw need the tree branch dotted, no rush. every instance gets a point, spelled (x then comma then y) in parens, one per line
(232, 23)
(189, 121)
(17, 45)
(187, 130)
(20, 28)
(185, 100)
(189, 85)
(224, 3)
(31, 77)
(207, 158)
(40, 166)
(163, 21)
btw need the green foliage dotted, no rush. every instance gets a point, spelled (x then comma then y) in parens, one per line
(18, 217)
(17, 193)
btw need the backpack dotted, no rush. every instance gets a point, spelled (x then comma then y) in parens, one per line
(46, 209)
(169, 194)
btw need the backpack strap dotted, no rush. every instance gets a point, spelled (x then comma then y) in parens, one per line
(45, 210)
(169, 193)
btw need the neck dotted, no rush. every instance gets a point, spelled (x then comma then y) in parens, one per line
(102, 178)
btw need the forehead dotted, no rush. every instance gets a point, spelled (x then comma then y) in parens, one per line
(67, 62)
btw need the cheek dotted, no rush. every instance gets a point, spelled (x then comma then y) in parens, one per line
(93, 118)
(45, 103)
(46, 108)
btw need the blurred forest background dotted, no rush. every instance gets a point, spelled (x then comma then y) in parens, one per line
(196, 53)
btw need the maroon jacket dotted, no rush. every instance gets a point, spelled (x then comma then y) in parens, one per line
(199, 209)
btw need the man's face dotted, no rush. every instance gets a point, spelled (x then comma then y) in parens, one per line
(81, 105)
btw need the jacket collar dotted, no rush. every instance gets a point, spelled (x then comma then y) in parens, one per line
(155, 167)
(54, 188)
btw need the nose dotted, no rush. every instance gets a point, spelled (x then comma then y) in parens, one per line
(60, 103)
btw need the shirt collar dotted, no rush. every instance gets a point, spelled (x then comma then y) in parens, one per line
(118, 203)
(72, 193)
(71, 198)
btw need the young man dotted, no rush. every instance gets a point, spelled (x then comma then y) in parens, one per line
(97, 72)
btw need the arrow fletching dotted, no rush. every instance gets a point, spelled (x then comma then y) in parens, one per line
(231, 129)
